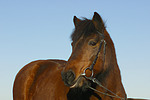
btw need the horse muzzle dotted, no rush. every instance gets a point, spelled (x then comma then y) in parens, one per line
(68, 77)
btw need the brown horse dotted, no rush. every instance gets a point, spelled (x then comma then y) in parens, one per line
(94, 56)
(91, 73)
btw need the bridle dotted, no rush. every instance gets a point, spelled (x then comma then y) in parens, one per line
(93, 79)
(96, 57)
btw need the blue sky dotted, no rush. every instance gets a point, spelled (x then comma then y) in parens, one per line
(40, 29)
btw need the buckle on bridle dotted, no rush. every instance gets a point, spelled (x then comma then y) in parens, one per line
(85, 75)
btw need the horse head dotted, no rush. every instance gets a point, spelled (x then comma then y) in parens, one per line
(93, 60)
(87, 43)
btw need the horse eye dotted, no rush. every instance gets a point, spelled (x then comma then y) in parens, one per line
(92, 43)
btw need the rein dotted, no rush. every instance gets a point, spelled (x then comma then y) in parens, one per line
(94, 80)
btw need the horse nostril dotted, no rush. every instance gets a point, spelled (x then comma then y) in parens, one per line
(68, 77)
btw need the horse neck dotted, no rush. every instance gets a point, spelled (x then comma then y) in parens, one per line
(110, 76)
(110, 56)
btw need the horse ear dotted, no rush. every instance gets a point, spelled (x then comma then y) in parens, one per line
(76, 21)
(98, 22)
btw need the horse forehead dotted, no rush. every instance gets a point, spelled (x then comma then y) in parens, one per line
(83, 39)
(86, 27)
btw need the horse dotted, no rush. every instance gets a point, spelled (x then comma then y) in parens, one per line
(91, 72)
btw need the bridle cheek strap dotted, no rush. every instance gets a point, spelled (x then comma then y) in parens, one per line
(96, 57)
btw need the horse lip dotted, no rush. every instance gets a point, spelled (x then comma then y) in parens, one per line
(68, 83)
(72, 84)
(76, 82)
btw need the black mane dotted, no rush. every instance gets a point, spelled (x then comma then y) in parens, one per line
(84, 28)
